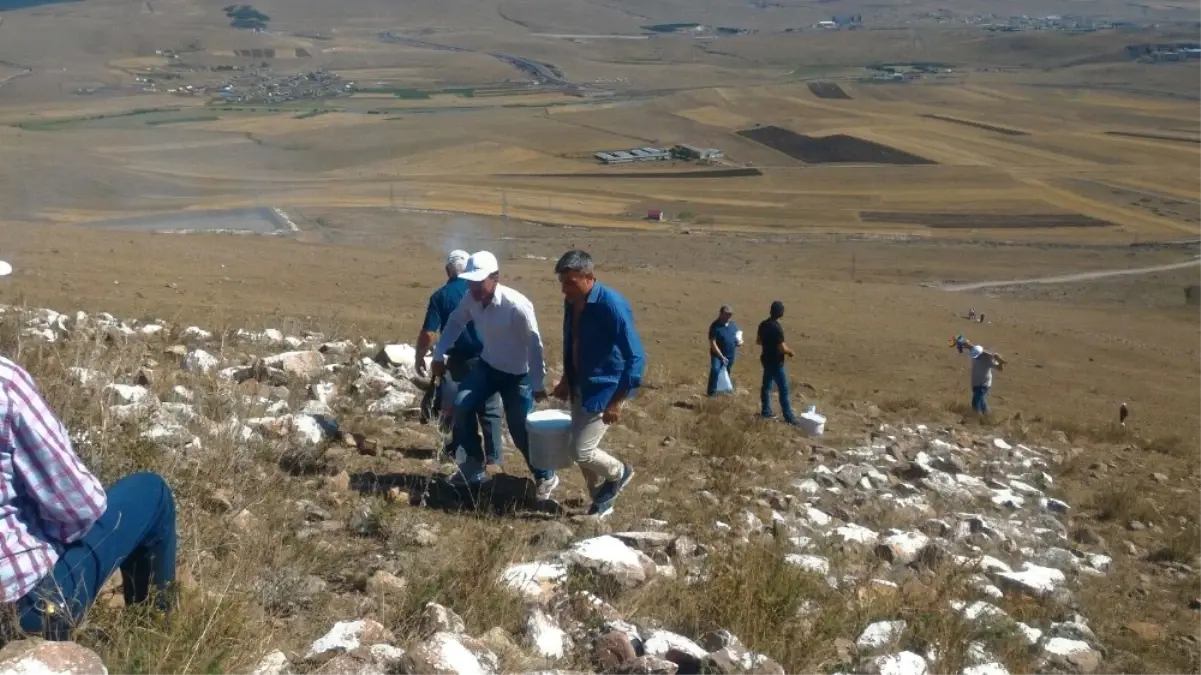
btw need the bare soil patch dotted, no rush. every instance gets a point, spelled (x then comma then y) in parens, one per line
(828, 90)
(838, 148)
(978, 125)
(990, 221)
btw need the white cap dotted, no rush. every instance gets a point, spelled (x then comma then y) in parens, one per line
(5, 269)
(480, 266)
(977, 350)
(456, 256)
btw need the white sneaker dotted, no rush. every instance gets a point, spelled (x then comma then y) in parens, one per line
(546, 487)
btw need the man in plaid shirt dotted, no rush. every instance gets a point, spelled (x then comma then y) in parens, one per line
(61, 536)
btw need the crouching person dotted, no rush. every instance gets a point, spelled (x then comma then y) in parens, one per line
(603, 362)
(61, 535)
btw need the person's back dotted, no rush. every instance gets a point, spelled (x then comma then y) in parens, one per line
(771, 337)
(982, 368)
(443, 302)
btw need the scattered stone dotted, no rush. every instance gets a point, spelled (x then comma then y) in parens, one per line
(545, 636)
(902, 548)
(534, 581)
(611, 649)
(33, 656)
(900, 663)
(647, 665)
(1033, 580)
(450, 654)
(305, 364)
(1073, 655)
(660, 642)
(385, 583)
(436, 618)
(348, 635)
(609, 557)
(275, 663)
(880, 634)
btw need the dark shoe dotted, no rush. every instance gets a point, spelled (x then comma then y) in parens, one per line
(608, 492)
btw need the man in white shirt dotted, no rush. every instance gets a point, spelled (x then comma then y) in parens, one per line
(511, 365)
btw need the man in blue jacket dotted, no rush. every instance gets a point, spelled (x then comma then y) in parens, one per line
(460, 358)
(603, 362)
(723, 346)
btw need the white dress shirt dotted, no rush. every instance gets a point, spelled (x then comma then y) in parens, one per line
(507, 327)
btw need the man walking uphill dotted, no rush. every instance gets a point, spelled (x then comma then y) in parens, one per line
(511, 364)
(603, 362)
(723, 346)
(775, 351)
(460, 358)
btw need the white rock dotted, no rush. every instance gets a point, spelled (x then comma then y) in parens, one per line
(992, 668)
(880, 634)
(1031, 635)
(905, 547)
(1100, 562)
(40, 657)
(545, 636)
(809, 563)
(323, 391)
(83, 375)
(183, 393)
(445, 653)
(298, 363)
(609, 556)
(386, 655)
(659, 642)
(1058, 646)
(534, 580)
(292, 342)
(201, 361)
(196, 333)
(816, 516)
(275, 663)
(348, 635)
(1001, 444)
(1032, 579)
(856, 533)
(901, 663)
(150, 329)
(307, 430)
(393, 402)
(126, 393)
(402, 357)
(807, 486)
(1051, 505)
(983, 610)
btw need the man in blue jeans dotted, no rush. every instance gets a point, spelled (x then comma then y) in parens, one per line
(511, 365)
(61, 535)
(983, 364)
(460, 358)
(775, 352)
(723, 346)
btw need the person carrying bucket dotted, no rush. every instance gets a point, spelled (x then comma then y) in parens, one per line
(511, 365)
(724, 340)
(603, 363)
(460, 358)
(983, 364)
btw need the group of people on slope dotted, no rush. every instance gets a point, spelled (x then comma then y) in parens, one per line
(62, 535)
(724, 340)
(489, 357)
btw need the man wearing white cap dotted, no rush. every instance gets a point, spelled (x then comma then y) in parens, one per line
(460, 358)
(983, 363)
(511, 365)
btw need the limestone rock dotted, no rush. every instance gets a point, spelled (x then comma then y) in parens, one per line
(450, 654)
(38, 657)
(275, 663)
(609, 557)
(305, 364)
(348, 635)
(436, 618)
(544, 635)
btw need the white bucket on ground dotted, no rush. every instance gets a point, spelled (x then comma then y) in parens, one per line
(550, 436)
(813, 423)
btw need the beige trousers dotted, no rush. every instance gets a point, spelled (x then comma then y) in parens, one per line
(587, 430)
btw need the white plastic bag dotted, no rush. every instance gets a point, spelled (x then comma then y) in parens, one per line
(724, 384)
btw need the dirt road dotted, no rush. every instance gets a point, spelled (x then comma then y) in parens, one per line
(1068, 278)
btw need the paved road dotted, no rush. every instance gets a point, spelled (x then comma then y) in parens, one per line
(1069, 278)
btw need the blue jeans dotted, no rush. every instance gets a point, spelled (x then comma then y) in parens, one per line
(482, 383)
(774, 374)
(136, 534)
(457, 371)
(980, 400)
(715, 365)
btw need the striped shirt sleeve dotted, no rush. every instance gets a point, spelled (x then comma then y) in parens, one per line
(69, 498)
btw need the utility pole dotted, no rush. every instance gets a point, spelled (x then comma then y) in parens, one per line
(504, 207)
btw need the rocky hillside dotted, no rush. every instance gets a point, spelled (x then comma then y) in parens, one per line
(318, 537)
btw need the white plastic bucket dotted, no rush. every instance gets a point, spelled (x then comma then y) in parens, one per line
(813, 423)
(550, 435)
(738, 338)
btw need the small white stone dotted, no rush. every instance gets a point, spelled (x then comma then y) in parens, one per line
(880, 634)
(809, 563)
(901, 663)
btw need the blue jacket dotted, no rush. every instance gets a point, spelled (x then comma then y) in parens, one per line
(442, 303)
(611, 354)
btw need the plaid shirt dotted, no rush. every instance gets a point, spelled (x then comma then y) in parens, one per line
(47, 497)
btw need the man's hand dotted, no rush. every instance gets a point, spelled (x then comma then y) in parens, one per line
(612, 414)
(420, 367)
(438, 369)
(562, 390)
(540, 396)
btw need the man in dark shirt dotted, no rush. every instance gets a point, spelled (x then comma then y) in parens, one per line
(775, 352)
(723, 345)
(460, 357)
